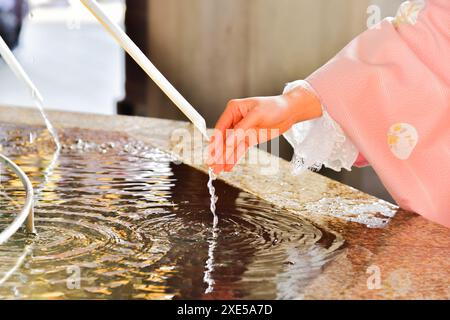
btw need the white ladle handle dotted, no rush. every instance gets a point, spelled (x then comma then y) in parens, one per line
(15, 66)
(133, 50)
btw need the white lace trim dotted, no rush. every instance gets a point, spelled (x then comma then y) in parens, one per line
(319, 142)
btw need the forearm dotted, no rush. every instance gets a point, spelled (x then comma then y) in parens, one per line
(304, 105)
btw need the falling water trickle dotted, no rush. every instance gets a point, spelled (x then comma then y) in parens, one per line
(209, 267)
(48, 124)
(214, 198)
(47, 173)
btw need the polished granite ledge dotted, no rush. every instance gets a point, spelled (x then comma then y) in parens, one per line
(410, 254)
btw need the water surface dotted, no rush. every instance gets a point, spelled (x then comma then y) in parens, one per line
(133, 224)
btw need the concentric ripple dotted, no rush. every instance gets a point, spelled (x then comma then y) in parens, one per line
(118, 219)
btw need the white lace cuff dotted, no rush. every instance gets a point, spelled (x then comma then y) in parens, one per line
(319, 142)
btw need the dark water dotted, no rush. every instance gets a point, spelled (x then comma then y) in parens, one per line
(132, 224)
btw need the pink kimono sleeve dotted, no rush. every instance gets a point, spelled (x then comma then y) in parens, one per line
(389, 91)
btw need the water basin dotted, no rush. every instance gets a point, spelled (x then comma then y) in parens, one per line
(120, 219)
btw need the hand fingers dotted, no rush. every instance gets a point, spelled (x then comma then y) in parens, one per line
(221, 154)
(234, 115)
(217, 140)
(238, 153)
(238, 145)
(230, 116)
(226, 121)
(247, 127)
(218, 168)
(215, 152)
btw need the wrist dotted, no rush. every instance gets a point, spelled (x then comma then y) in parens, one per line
(304, 105)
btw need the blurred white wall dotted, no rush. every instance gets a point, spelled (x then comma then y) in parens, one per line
(75, 64)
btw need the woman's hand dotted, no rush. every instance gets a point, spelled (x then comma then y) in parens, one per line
(251, 121)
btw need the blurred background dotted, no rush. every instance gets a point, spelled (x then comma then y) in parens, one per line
(211, 50)
(75, 64)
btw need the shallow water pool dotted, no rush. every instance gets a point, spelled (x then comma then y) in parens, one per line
(118, 219)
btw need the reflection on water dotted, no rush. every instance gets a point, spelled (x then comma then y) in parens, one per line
(117, 219)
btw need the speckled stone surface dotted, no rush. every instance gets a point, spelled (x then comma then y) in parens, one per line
(388, 253)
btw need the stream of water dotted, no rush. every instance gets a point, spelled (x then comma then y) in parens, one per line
(213, 197)
(47, 121)
(209, 267)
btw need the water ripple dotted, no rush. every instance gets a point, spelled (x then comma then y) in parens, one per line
(135, 225)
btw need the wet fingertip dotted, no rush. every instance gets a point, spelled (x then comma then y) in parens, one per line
(215, 144)
(217, 170)
(229, 142)
(211, 153)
